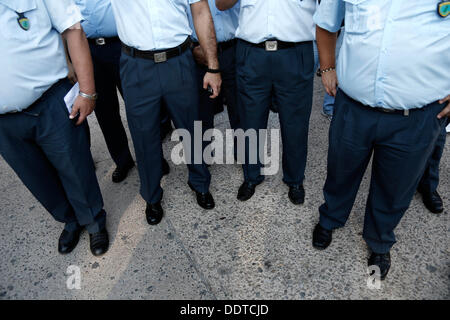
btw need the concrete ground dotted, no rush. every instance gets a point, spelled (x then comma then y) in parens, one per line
(260, 249)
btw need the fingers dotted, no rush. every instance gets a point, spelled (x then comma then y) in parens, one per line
(82, 117)
(216, 91)
(75, 111)
(447, 98)
(334, 91)
(217, 87)
(445, 112)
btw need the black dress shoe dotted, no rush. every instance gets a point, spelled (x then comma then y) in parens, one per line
(432, 201)
(246, 191)
(165, 167)
(154, 213)
(382, 261)
(121, 173)
(321, 237)
(204, 200)
(99, 242)
(68, 240)
(296, 194)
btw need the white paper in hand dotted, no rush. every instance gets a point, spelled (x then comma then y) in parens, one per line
(71, 96)
(448, 128)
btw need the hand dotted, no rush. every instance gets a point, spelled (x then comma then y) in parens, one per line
(214, 80)
(446, 111)
(199, 56)
(330, 82)
(71, 75)
(82, 106)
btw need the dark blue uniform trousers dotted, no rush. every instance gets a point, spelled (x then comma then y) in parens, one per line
(52, 158)
(106, 59)
(430, 179)
(227, 61)
(146, 85)
(400, 145)
(285, 76)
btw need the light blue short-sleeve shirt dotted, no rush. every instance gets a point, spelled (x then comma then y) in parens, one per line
(98, 18)
(225, 22)
(395, 54)
(32, 60)
(152, 24)
(284, 20)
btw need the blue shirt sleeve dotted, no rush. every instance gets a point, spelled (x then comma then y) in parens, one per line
(63, 14)
(330, 15)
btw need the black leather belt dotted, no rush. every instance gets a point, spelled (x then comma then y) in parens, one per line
(222, 46)
(159, 55)
(273, 45)
(381, 109)
(103, 41)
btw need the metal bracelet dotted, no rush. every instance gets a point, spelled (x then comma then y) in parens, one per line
(321, 72)
(92, 97)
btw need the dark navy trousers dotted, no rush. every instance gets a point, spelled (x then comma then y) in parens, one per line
(146, 85)
(52, 158)
(285, 76)
(227, 61)
(430, 179)
(400, 145)
(106, 59)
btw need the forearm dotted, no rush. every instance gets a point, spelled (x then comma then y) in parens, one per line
(223, 5)
(80, 56)
(206, 34)
(326, 43)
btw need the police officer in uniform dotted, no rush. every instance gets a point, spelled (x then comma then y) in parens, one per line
(157, 66)
(226, 23)
(391, 104)
(275, 62)
(45, 144)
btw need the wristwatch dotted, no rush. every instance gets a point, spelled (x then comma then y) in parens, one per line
(92, 97)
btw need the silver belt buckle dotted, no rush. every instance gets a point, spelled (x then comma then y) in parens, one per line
(100, 41)
(272, 45)
(160, 57)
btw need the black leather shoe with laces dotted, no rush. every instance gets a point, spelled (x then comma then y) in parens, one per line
(321, 237)
(204, 200)
(68, 240)
(154, 213)
(246, 191)
(382, 261)
(296, 194)
(99, 242)
(432, 201)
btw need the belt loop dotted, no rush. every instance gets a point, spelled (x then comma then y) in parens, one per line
(132, 52)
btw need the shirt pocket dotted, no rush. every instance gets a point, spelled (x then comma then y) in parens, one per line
(362, 16)
(10, 26)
